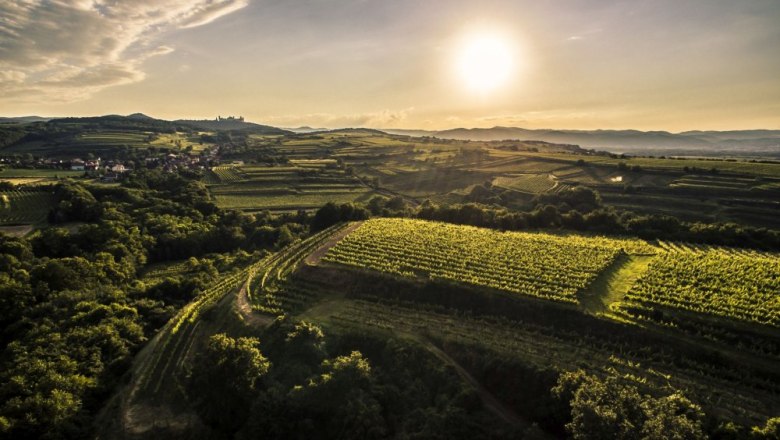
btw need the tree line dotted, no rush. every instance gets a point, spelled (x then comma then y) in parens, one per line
(578, 209)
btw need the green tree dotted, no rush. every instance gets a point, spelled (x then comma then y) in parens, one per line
(224, 380)
(612, 409)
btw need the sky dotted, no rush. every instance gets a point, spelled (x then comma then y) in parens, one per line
(670, 65)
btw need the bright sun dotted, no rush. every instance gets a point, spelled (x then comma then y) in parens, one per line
(484, 62)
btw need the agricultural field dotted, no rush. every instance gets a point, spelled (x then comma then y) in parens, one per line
(302, 184)
(99, 143)
(527, 183)
(446, 170)
(226, 174)
(24, 207)
(669, 164)
(37, 173)
(285, 202)
(28, 177)
(542, 341)
(537, 265)
(726, 283)
(111, 138)
(273, 290)
(171, 141)
(540, 333)
(181, 140)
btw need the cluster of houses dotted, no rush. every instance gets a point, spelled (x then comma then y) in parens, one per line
(113, 170)
(110, 170)
(173, 162)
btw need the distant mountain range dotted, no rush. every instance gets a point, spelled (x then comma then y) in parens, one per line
(744, 143)
(23, 119)
(141, 120)
(738, 143)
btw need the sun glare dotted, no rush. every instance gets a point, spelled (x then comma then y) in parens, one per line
(485, 62)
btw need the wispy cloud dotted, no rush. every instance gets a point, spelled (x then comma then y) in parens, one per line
(67, 50)
(379, 119)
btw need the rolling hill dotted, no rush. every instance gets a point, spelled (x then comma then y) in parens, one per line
(735, 143)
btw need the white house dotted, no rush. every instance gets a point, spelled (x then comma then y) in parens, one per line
(77, 165)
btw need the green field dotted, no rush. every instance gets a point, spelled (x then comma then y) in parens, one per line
(76, 141)
(260, 202)
(302, 184)
(181, 141)
(40, 173)
(653, 163)
(526, 183)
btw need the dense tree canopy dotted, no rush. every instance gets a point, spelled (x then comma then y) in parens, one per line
(73, 310)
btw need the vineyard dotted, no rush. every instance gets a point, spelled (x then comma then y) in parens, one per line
(527, 183)
(267, 284)
(738, 381)
(734, 284)
(24, 207)
(274, 292)
(542, 345)
(258, 202)
(309, 184)
(539, 265)
(166, 357)
(227, 174)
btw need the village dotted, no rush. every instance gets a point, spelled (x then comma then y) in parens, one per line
(111, 170)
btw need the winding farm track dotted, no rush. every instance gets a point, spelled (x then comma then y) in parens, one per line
(314, 258)
(244, 309)
(490, 401)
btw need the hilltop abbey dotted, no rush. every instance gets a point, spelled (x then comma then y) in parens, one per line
(230, 119)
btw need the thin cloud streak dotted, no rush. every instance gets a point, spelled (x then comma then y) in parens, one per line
(66, 51)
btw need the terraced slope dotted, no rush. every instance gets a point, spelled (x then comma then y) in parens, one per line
(153, 398)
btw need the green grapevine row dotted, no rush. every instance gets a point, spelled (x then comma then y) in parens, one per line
(540, 265)
(227, 174)
(719, 282)
(271, 290)
(23, 207)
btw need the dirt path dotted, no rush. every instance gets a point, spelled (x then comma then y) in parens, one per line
(244, 309)
(314, 258)
(490, 402)
(613, 283)
(16, 231)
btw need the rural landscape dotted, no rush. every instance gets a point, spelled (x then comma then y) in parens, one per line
(213, 277)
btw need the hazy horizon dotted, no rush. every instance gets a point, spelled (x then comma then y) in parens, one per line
(577, 65)
(401, 128)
